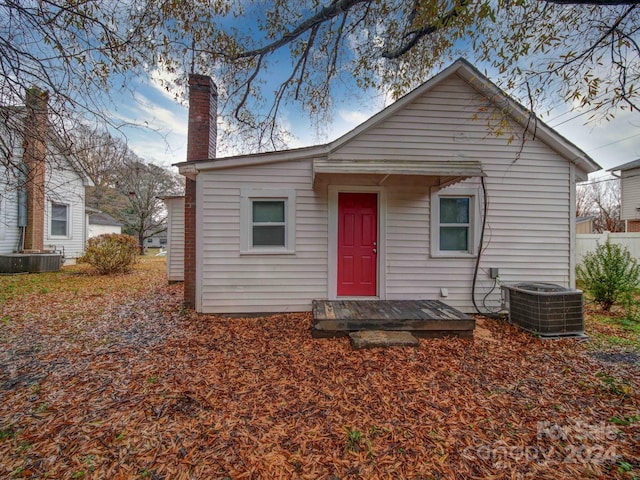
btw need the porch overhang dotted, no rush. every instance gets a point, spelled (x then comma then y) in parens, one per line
(447, 172)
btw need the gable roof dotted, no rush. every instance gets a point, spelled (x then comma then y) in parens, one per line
(460, 67)
(102, 218)
(626, 166)
(56, 143)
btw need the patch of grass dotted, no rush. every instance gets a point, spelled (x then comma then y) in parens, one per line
(626, 421)
(615, 385)
(613, 332)
(624, 467)
(24, 447)
(90, 462)
(18, 472)
(605, 342)
(353, 439)
(624, 323)
(74, 279)
(6, 433)
(43, 407)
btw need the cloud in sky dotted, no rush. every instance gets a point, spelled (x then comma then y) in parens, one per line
(154, 123)
(608, 143)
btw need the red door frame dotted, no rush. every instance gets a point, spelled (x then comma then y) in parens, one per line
(357, 268)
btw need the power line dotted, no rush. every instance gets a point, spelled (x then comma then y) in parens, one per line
(614, 142)
(574, 117)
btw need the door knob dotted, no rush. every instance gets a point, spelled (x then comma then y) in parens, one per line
(375, 250)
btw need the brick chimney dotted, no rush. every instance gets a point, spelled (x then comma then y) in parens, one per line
(201, 145)
(34, 153)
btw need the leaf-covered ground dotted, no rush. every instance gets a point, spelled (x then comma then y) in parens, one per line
(109, 377)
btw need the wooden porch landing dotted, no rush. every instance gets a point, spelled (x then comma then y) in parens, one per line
(423, 318)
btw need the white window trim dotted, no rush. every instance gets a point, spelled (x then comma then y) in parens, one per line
(69, 217)
(247, 196)
(473, 193)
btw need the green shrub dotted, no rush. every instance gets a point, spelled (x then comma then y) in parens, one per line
(111, 253)
(609, 274)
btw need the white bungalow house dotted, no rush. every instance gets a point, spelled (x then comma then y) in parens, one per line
(42, 189)
(422, 201)
(630, 194)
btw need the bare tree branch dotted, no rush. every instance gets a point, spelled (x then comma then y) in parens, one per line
(336, 8)
(413, 37)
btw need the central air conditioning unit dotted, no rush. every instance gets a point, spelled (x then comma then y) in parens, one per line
(546, 309)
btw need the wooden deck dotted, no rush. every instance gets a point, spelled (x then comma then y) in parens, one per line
(423, 318)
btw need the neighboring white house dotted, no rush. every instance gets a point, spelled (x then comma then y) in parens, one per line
(175, 238)
(415, 203)
(42, 190)
(630, 194)
(159, 240)
(100, 223)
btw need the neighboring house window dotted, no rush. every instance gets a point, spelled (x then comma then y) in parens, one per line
(267, 221)
(454, 222)
(59, 220)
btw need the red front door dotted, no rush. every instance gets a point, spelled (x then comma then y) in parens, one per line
(357, 244)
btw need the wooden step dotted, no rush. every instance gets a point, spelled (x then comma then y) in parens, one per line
(382, 338)
(423, 318)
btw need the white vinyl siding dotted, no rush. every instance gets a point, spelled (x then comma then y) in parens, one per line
(175, 239)
(3, 216)
(528, 226)
(630, 194)
(95, 230)
(65, 187)
(234, 282)
(527, 236)
(9, 231)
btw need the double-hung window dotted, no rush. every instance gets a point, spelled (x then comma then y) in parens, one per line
(268, 225)
(59, 220)
(267, 221)
(454, 222)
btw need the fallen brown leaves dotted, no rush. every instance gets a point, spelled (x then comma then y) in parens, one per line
(127, 384)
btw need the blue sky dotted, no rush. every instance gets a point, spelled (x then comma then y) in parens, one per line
(609, 143)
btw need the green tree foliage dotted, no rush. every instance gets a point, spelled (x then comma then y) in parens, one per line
(581, 52)
(609, 274)
(111, 253)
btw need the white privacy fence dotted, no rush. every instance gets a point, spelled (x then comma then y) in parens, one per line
(587, 242)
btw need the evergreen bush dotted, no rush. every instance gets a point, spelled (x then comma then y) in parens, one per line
(609, 274)
(111, 253)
